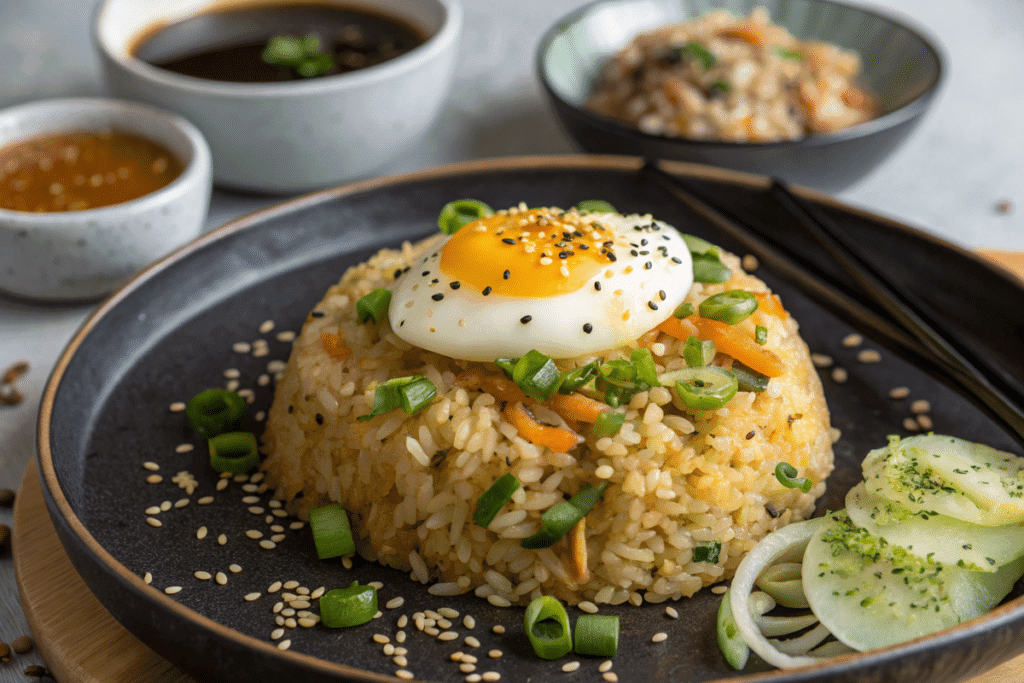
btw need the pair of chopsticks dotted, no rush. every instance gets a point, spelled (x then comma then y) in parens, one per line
(897, 318)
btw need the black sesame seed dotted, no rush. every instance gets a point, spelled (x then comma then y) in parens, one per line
(648, 265)
(634, 252)
(644, 252)
(508, 240)
(662, 295)
(577, 233)
(597, 286)
(487, 290)
(319, 419)
(584, 246)
(398, 273)
(607, 244)
(426, 273)
(643, 242)
(676, 259)
(401, 323)
(612, 258)
(588, 328)
(525, 319)
(291, 409)
(507, 274)
(317, 314)
(564, 254)
(653, 306)
(434, 281)
(437, 297)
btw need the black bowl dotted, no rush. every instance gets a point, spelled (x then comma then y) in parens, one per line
(900, 64)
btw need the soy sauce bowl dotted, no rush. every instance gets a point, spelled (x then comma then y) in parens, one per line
(901, 64)
(80, 256)
(292, 136)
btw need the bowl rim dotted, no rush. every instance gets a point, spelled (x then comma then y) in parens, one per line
(192, 175)
(611, 126)
(445, 37)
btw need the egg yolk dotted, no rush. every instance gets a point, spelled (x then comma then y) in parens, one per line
(533, 253)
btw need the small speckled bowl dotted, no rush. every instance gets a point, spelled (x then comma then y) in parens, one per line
(84, 255)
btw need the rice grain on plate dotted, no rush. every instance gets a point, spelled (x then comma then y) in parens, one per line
(678, 478)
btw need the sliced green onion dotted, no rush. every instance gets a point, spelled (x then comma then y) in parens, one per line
(761, 334)
(730, 642)
(619, 373)
(786, 474)
(608, 423)
(374, 305)
(595, 206)
(575, 379)
(709, 269)
(490, 502)
(698, 53)
(597, 635)
(302, 53)
(547, 626)
(646, 371)
(537, 375)
(787, 53)
(698, 352)
(506, 364)
(315, 65)
(614, 396)
(561, 517)
(346, 607)
(215, 411)
(411, 394)
(703, 388)
(707, 552)
(234, 452)
(729, 307)
(748, 379)
(461, 212)
(332, 534)
(699, 246)
(720, 86)
(683, 310)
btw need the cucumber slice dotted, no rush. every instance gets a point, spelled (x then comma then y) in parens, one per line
(730, 642)
(945, 540)
(930, 473)
(871, 594)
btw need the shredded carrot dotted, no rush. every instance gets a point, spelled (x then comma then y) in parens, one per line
(557, 439)
(647, 339)
(730, 341)
(578, 550)
(750, 33)
(499, 386)
(576, 407)
(334, 345)
(770, 304)
(674, 327)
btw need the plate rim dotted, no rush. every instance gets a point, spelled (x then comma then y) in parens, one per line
(59, 506)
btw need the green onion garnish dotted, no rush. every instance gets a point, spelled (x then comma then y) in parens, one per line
(537, 375)
(597, 635)
(749, 379)
(646, 371)
(547, 626)
(461, 212)
(234, 452)
(683, 310)
(345, 607)
(411, 394)
(706, 387)
(595, 206)
(561, 517)
(608, 423)
(302, 53)
(490, 502)
(332, 535)
(215, 411)
(761, 334)
(697, 52)
(707, 552)
(729, 307)
(700, 247)
(374, 305)
(720, 86)
(786, 474)
(697, 352)
(787, 53)
(730, 642)
(579, 377)
(709, 269)
(506, 364)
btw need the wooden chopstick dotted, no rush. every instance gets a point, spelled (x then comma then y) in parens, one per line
(901, 327)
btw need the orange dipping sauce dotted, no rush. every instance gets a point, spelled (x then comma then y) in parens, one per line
(77, 171)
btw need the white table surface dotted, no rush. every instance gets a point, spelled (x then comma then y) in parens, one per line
(966, 156)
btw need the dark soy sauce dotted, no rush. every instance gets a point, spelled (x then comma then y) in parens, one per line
(228, 45)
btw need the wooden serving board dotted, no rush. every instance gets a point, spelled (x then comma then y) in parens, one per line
(82, 643)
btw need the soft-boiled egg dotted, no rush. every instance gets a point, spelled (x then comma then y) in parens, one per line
(563, 283)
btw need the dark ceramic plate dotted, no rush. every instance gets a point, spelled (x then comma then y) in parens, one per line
(169, 334)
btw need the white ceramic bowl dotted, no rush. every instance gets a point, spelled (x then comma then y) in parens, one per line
(297, 135)
(83, 255)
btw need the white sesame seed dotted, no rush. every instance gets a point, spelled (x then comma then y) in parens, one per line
(147, 578)
(235, 568)
(495, 654)
(470, 641)
(321, 590)
(444, 623)
(473, 678)
(840, 375)
(266, 327)
(469, 622)
(307, 622)
(286, 336)
(165, 506)
(203, 576)
(400, 637)
(852, 340)
(153, 510)
(276, 633)
(302, 590)
(249, 500)
(401, 651)
(447, 635)
(153, 521)
(284, 644)
(403, 673)
(267, 544)
(222, 539)
(719, 590)
(749, 263)
(250, 597)
(498, 628)
(205, 500)
(659, 637)
(181, 502)
(924, 422)
(184, 448)
(821, 360)
(467, 667)
(491, 676)
(395, 603)
(672, 612)
(154, 479)
(288, 612)
(456, 656)
(910, 424)
(254, 534)
(151, 466)
(381, 638)
(431, 631)
(279, 513)
(569, 667)
(277, 538)
(403, 621)
(376, 584)
(869, 356)
(256, 510)
(498, 601)
(300, 604)
(388, 649)
(588, 607)
(177, 407)
(278, 606)
(400, 660)
(222, 484)
(290, 623)
(605, 665)
(920, 406)
(611, 677)
(221, 578)
(171, 590)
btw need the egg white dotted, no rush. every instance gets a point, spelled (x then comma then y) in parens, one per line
(644, 285)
